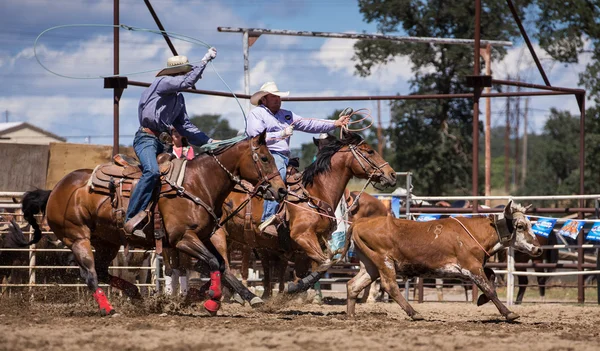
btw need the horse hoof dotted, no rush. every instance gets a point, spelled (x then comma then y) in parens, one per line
(292, 288)
(256, 302)
(237, 298)
(417, 317)
(104, 312)
(482, 300)
(212, 307)
(512, 316)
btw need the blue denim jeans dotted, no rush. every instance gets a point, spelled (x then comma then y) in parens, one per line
(270, 207)
(146, 148)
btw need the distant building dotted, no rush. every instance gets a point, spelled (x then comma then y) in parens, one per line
(25, 133)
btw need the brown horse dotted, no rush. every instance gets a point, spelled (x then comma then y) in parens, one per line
(450, 247)
(325, 179)
(83, 219)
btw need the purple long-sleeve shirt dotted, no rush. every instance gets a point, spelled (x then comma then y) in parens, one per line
(261, 118)
(162, 106)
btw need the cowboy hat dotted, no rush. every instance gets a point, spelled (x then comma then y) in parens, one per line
(267, 88)
(176, 65)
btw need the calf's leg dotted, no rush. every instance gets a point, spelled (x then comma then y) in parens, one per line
(367, 273)
(479, 278)
(389, 284)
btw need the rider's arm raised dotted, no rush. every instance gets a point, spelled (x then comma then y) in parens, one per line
(169, 84)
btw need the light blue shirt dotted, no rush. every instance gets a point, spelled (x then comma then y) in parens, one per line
(162, 106)
(261, 118)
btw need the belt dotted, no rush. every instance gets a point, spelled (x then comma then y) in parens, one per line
(150, 131)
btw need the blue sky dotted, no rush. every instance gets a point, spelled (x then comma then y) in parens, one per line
(77, 108)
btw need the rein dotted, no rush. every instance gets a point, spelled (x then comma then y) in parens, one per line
(251, 192)
(263, 185)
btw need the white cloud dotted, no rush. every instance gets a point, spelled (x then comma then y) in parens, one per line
(336, 55)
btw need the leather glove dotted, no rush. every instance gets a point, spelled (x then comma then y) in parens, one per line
(287, 132)
(210, 55)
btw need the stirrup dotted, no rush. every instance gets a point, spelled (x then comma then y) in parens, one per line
(266, 223)
(132, 224)
(139, 233)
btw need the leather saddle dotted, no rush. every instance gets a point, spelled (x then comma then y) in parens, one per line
(300, 195)
(119, 178)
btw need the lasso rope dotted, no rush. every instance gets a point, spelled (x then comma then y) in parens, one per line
(158, 32)
(191, 40)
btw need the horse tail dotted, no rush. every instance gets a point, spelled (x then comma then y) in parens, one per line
(34, 202)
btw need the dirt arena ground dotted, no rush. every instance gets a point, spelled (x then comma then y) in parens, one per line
(164, 324)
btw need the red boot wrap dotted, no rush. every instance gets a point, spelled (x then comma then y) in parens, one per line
(103, 304)
(214, 291)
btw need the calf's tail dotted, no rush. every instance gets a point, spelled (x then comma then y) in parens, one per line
(347, 241)
(34, 202)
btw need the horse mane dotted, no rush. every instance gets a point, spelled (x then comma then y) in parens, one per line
(323, 162)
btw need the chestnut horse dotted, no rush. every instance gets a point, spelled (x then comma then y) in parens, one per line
(326, 178)
(449, 247)
(83, 219)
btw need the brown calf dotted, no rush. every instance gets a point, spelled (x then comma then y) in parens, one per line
(450, 247)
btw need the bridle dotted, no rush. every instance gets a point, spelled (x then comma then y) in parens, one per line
(373, 171)
(360, 157)
(264, 179)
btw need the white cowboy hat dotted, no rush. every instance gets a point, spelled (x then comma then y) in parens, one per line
(267, 88)
(175, 65)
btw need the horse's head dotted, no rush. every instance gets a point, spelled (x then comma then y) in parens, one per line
(523, 239)
(257, 166)
(367, 163)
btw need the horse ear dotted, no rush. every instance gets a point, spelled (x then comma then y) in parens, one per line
(316, 142)
(508, 209)
(528, 207)
(262, 138)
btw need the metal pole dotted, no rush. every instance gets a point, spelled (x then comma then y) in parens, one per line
(116, 94)
(507, 148)
(364, 36)
(161, 28)
(487, 56)
(524, 153)
(408, 193)
(510, 278)
(379, 135)
(246, 48)
(598, 275)
(526, 38)
(369, 98)
(580, 280)
(477, 93)
(407, 206)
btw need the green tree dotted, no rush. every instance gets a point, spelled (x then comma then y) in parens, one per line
(557, 170)
(214, 126)
(569, 28)
(432, 138)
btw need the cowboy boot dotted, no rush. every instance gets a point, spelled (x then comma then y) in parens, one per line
(269, 226)
(131, 227)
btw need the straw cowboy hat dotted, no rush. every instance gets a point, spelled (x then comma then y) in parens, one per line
(267, 88)
(176, 65)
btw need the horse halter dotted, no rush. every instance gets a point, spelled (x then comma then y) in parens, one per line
(505, 228)
(360, 157)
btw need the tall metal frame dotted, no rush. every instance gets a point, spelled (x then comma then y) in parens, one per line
(477, 81)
